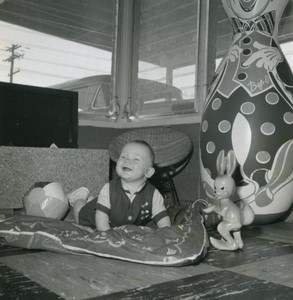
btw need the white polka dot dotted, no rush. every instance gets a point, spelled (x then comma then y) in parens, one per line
(211, 147)
(217, 103)
(129, 218)
(224, 126)
(263, 157)
(205, 126)
(267, 128)
(288, 118)
(272, 98)
(247, 108)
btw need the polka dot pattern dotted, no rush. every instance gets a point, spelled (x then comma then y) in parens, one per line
(246, 41)
(288, 118)
(272, 98)
(205, 126)
(242, 76)
(263, 157)
(217, 103)
(247, 108)
(268, 128)
(246, 52)
(211, 147)
(224, 126)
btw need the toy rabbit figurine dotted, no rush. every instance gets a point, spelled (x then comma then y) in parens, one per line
(233, 217)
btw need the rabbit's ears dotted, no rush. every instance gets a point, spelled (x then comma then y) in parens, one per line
(226, 164)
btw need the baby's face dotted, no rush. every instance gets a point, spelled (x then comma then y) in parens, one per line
(134, 163)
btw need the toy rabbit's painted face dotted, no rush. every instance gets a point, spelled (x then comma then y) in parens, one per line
(224, 187)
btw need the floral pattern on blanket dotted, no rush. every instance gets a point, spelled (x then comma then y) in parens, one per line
(183, 243)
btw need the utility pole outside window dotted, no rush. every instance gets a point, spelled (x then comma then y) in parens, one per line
(14, 55)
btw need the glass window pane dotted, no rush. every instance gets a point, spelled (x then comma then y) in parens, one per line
(167, 57)
(66, 44)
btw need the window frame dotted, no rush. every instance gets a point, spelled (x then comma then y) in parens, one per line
(125, 66)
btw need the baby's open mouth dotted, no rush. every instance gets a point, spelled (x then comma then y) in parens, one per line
(126, 169)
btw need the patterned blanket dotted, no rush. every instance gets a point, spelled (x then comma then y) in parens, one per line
(184, 243)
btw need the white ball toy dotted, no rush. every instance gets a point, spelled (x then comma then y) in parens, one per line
(46, 200)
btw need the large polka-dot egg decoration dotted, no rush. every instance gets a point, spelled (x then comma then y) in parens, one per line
(249, 110)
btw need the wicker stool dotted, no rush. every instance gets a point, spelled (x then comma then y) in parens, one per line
(172, 152)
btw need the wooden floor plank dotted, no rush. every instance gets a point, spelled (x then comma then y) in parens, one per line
(276, 269)
(14, 285)
(224, 285)
(62, 273)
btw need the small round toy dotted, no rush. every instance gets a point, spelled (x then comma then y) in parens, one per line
(46, 200)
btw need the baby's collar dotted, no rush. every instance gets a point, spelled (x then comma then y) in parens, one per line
(126, 188)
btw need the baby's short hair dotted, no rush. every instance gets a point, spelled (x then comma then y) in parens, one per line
(143, 142)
